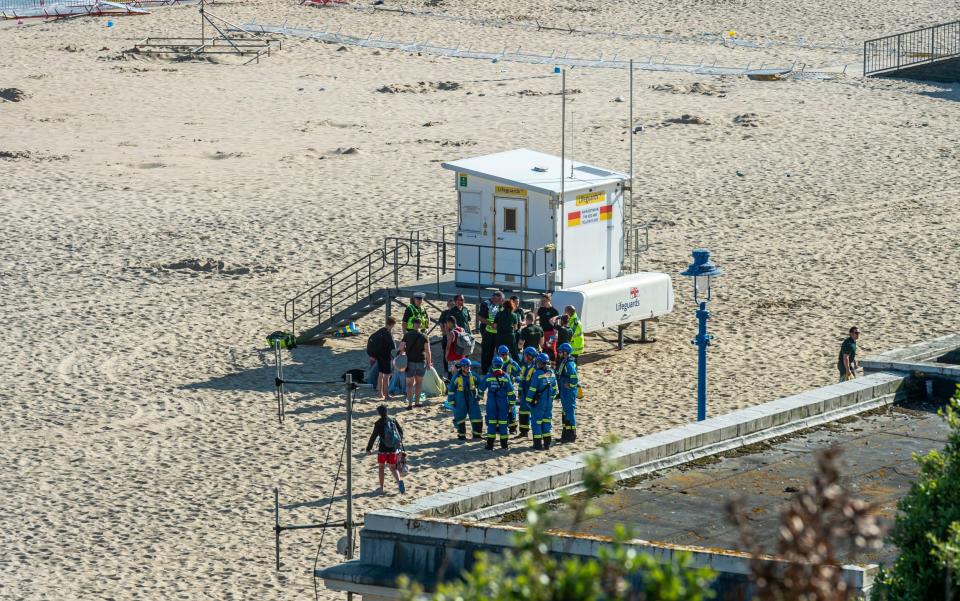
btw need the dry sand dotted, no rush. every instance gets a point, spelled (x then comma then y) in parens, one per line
(138, 440)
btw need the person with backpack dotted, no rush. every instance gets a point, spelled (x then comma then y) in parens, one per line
(380, 347)
(459, 344)
(569, 383)
(460, 313)
(390, 436)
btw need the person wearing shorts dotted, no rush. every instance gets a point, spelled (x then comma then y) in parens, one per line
(386, 455)
(380, 347)
(417, 348)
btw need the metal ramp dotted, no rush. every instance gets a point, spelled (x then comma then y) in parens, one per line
(930, 54)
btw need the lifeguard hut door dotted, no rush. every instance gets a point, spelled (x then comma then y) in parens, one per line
(509, 237)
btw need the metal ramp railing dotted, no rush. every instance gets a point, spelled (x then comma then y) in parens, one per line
(891, 53)
(404, 264)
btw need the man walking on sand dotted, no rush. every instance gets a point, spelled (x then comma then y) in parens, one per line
(847, 362)
(390, 434)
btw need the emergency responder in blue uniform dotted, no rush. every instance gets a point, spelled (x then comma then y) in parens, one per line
(464, 392)
(523, 382)
(569, 384)
(512, 369)
(540, 394)
(500, 394)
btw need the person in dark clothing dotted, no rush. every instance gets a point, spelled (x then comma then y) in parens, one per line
(486, 315)
(531, 334)
(847, 361)
(506, 325)
(548, 316)
(460, 313)
(564, 331)
(386, 453)
(417, 348)
(380, 347)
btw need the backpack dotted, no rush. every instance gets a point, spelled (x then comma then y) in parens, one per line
(281, 339)
(391, 436)
(464, 343)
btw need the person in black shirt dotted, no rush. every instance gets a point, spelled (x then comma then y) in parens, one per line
(531, 334)
(380, 347)
(417, 348)
(564, 331)
(486, 315)
(386, 455)
(548, 316)
(460, 313)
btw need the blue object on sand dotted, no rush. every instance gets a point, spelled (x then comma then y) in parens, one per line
(109, 23)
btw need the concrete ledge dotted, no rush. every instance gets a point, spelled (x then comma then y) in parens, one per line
(922, 351)
(495, 496)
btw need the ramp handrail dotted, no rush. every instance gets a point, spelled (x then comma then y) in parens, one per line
(637, 242)
(910, 48)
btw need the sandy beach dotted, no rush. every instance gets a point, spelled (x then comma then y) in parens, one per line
(155, 215)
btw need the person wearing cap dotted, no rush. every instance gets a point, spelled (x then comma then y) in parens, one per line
(523, 384)
(540, 394)
(486, 323)
(569, 384)
(463, 392)
(512, 369)
(415, 310)
(500, 395)
(416, 347)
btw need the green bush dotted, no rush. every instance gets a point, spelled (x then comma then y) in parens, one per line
(927, 528)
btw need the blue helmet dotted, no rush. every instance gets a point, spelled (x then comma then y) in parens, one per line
(565, 348)
(530, 351)
(497, 362)
(502, 349)
(464, 362)
(543, 358)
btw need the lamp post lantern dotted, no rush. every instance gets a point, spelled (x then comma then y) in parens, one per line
(702, 270)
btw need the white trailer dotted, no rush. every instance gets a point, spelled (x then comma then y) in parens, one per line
(616, 302)
(528, 222)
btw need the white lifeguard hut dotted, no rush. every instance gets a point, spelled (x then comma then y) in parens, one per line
(528, 222)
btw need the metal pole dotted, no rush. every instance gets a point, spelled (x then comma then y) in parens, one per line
(630, 128)
(349, 443)
(702, 341)
(276, 518)
(563, 174)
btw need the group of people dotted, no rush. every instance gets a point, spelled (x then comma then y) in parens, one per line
(520, 397)
(520, 387)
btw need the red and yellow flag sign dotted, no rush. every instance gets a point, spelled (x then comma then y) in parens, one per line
(573, 218)
(606, 212)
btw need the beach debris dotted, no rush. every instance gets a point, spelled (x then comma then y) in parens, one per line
(454, 143)
(619, 99)
(347, 150)
(16, 155)
(12, 94)
(695, 88)
(71, 48)
(686, 119)
(13, 155)
(539, 93)
(201, 265)
(747, 120)
(421, 87)
(432, 123)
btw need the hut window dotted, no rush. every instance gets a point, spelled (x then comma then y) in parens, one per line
(509, 220)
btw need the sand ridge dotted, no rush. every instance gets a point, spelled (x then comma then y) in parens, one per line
(141, 272)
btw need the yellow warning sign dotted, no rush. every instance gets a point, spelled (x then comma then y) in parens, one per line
(591, 198)
(511, 191)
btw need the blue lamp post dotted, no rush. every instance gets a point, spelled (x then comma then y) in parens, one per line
(702, 270)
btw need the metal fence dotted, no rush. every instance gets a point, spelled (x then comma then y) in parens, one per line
(911, 48)
(26, 5)
(705, 66)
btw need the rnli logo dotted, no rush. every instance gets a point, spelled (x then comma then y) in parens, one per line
(634, 292)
